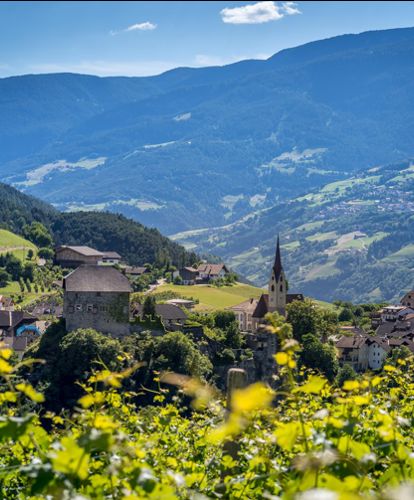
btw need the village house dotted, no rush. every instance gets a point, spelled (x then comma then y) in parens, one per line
(97, 297)
(188, 275)
(75, 256)
(251, 313)
(6, 303)
(172, 316)
(111, 258)
(202, 274)
(408, 299)
(208, 272)
(135, 271)
(11, 321)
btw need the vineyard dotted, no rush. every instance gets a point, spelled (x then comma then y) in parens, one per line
(306, 439)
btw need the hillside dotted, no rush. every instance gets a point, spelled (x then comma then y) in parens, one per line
(350, 240)
(105, 231)
(211, 297)
(12, 243)
(197, 147)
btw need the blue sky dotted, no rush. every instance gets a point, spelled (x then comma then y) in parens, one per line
(144, 38)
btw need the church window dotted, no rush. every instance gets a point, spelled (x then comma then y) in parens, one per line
(281, 288)
(78, 307)
(273, 288)
(281, 278)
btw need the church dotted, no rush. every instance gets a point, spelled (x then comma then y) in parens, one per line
(251, 313)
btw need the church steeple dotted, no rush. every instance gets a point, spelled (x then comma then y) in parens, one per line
(277, 266)
(277, 284)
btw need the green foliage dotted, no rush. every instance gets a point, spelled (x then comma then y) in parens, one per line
(346, 372)
(45, 253)
(148, 307)
(4, 277)
(176, 352)
(351, 442)
(38, 234)
(307, 318)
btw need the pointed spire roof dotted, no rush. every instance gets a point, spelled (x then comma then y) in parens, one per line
(277, 266)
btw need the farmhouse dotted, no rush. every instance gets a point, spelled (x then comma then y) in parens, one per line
(111, 258)
(97, 297)
(12, 321)
(74, 256)
(208, 272)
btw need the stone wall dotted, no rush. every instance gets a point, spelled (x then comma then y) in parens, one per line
(106, 312)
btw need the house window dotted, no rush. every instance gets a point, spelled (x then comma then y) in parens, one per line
(78, 307)
(89, 308)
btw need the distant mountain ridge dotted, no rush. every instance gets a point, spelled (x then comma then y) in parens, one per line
(196, 147)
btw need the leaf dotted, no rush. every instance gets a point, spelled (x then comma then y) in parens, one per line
(286, 435)
(71, 460)
(254, 397)
(29, 391)
(5, 368)
(314, 385)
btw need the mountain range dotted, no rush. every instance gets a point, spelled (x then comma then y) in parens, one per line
(195, 151)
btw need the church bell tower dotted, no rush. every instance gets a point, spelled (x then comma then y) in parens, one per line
(277, 285)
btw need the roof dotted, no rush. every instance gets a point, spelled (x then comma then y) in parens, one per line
(166, 311)
(277, 266)
(111, 255)
(13, 318)
(291, 297)
(384, 329)
(351, 342)
(96, 279)
(211, 269)
(137, 270)
(248, 306)
(262, 307)
(82, 250)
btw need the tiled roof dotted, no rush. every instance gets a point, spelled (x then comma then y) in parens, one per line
(351, 342)
(82, 250)
(211, 269)
(111, 255)
(96, 279)
(246, 306)
(262, 307)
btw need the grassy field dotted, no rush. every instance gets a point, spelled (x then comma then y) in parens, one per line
(18, 246)
(212, 297)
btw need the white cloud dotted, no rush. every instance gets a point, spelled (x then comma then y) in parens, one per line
(260, 12)
(147, 26)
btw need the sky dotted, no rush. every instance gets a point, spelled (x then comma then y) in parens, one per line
(147, 38)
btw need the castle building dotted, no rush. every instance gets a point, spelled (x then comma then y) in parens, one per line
(251, 313)
(97, 297)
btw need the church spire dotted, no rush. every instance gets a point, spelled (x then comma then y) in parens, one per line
(277, 266)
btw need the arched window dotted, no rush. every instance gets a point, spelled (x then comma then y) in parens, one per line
(281, 278)
(281, 288)
(273, 288)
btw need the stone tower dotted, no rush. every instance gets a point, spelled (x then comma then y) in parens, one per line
(277, 285)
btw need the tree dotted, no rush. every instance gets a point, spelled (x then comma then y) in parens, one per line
(38, 234)
(307, 318)
(319, 356)
(176, 352)
(223, 319)
(346, 372)
(45, 253)
(346, 314)
(148, 308)
(30, 254)
(69, 358)
(232, 336)
(14, 266)
(4, 278)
